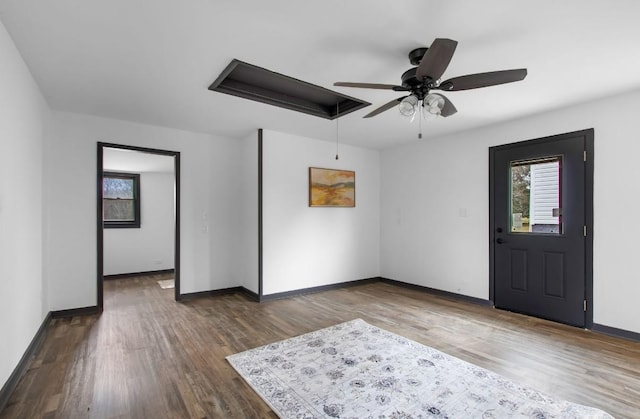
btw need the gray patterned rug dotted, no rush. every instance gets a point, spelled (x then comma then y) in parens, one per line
(356, 370)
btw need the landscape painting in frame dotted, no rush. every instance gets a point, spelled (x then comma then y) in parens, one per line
(332, 188)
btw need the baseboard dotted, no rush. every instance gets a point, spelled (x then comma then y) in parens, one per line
(439, 293)
(82, 311)
(312, 290)
(433, 291)
(600, 328)
(201, 294)
(134, 274)
(618, 333)
(253, 295)
(9, 387)
(224, 291)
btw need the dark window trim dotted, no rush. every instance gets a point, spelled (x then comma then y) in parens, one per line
(136, 200)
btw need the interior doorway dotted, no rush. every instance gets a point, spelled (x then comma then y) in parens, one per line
(119, 221)
(541, 217)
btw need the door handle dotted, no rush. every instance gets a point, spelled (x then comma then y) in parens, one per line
(500, 241)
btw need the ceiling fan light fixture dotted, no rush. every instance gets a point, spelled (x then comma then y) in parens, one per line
(432, 63)
(408, 105)
(433, 103)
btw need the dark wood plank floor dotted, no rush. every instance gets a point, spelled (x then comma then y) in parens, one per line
(147, 356)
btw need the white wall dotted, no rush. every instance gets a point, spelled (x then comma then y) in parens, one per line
(435, 208)
(248, 212)
(150, 247)
(308, 247)
(209, 197)
(24, 116)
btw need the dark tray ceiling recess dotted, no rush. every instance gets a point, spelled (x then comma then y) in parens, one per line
(256, 83)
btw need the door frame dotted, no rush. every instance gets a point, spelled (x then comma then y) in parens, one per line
(588, 135)
(99, 223)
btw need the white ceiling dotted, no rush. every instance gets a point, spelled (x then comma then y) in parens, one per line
(120, 160)
(152, 61)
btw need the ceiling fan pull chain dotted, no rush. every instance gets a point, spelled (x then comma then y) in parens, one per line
(420, 122)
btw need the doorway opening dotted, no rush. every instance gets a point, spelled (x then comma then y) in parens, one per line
(541, 227)
(119, 208)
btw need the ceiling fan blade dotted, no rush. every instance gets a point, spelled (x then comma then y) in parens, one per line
(384, 107)
(371, 86)
(436, 59)
(448, 109)
(475, 81)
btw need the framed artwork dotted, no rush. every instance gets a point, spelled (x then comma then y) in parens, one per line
(332, 188)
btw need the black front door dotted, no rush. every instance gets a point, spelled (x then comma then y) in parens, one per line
(539, 227)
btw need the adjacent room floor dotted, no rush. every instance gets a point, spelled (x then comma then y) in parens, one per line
(148, 356)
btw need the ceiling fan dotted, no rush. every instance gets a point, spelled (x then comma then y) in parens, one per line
(419, 81)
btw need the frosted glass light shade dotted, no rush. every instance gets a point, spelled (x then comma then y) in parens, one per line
(433, 103)
(408, 105)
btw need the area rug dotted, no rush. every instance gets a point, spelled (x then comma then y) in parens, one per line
(167, 283)
(356, 370)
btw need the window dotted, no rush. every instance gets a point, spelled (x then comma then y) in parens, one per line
(535, 196)
(121, 200)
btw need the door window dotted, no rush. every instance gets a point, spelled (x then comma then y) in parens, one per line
(535, 191)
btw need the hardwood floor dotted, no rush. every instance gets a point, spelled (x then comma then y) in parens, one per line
(147, 356)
